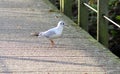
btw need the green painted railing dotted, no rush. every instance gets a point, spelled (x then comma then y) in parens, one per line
(66, 7)
(102, 13)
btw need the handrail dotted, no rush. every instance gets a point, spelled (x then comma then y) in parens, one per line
(112, 21)
(103, 16)
(90, 7)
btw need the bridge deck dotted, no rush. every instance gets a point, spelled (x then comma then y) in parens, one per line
(76, 52)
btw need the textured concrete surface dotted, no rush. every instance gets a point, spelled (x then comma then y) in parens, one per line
(76, 52)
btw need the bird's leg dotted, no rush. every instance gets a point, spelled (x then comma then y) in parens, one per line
(52, 42)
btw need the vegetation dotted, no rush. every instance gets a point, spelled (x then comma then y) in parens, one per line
(114, 14)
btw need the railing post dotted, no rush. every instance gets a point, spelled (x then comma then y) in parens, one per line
(102, 23)
(66, 7)
(83, 14)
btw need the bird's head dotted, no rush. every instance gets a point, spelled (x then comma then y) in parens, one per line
(61, 23)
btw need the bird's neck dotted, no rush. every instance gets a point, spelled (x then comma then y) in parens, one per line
(60, 27)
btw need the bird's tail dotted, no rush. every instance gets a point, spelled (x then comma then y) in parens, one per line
(35, 34)
(40, 34)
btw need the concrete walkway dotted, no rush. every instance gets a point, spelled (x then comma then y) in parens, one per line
(76, 51)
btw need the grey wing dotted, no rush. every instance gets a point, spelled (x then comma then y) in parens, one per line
(49, 33)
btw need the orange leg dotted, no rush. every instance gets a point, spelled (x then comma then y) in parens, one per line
(52, 42)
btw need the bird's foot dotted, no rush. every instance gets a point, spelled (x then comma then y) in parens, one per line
(52, 43)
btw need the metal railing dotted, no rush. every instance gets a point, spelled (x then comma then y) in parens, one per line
(102, 11)
(103, 16)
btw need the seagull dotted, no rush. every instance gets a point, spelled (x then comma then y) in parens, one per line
(53, 33)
